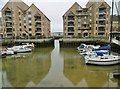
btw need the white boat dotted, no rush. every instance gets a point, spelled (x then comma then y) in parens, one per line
(6, 52)
(102, 60)
(84, 47)
(22, 48)
(87, 53)
(98, 52)
(28, 45)
(9, 52)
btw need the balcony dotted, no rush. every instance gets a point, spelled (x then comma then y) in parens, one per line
(102, 12)
(70, 24)
(82, 14)
(70, 18)
(8, 26)
(99, 31)
(37, 20)
(10, 34)
(38, 34)
(8, 20)
(38, 25)
(85, 28)
(101, 25)
(38, 30)
(102, 18)
(9, 30)
(8, 15)
(71, 29)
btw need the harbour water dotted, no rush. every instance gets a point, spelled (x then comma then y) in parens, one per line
(54, 67)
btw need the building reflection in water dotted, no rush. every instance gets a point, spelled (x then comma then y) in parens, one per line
(58, 67)
(73, 65)
(32, 68)
(82, 75)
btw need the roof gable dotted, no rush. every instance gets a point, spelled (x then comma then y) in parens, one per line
(33, 5)
(73, 6)
(104, 4)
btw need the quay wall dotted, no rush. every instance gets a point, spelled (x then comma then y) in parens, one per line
(38, 43)
(75, 43)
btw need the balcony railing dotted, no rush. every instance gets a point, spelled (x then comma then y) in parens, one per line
(38, 26)
(37, 20)
(102, 17)
(38, 30)
(71, 31)
(82, 14)
(8, 15)
(102, 12)
(102, 25)
(9, 30)
(8, 20)
(9, 26)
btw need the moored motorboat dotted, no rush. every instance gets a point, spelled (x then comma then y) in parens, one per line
(84, 47)
(102, 60)
(26, 47)
(21, 49)
(98, 52)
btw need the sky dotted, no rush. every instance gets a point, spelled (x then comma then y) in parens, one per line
(55, 9)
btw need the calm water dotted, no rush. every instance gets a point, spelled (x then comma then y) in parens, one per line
(54, 67)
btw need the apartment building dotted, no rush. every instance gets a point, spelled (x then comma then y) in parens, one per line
(21, 20)
(94, 20)
(1, 27)
(115, 27)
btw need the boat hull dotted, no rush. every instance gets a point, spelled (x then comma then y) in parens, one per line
(23, 51)
(103, 63)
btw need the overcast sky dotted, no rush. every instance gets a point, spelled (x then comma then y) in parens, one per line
(54, 9)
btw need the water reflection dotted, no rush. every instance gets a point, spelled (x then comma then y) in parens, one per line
(58, 67)
(32, 68)
(82, 75)
(73, 65)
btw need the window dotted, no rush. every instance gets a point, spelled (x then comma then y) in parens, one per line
(30, 29)
(30, 34)
(29, 12)
(29, 24)
(20, 24)
(24, 26)
(20, 29)
(19, 13)
(90, 28)
(24, 21)
(29, 18)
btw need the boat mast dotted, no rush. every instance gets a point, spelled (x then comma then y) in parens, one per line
(111, 21)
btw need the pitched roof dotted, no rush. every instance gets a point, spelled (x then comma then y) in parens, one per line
(99, 1)
(38, 9)
(14, 2)
(72, 7)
